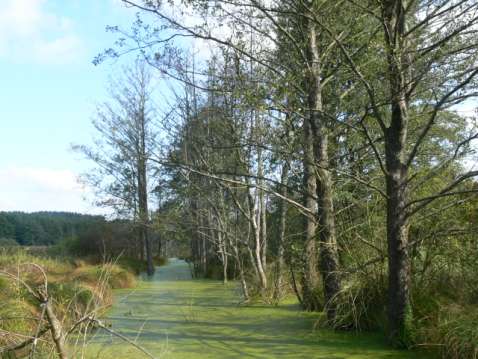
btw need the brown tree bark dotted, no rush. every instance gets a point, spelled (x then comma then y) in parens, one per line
(329, 258)
(310, 280)
(282, 228)
(399, 309)
(143, 193)
(316, 140)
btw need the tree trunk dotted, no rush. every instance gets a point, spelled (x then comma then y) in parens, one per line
(282, 228)
(222, 249)
(329, 263)
(261, 210)
(399, 67)
(257, 243)
(264, 229)
(144, 216)
(224, 266)
(399, 310)
(56, 331)
(242, 277)
(143, 187)
(310, 278)
(258, 258)
(329, 258)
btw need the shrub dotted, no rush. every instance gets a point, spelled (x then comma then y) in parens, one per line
(160, 261)
(8, 242)
(361, 303)
(113, 275)
(75, 289)
(134, 265)
(452, 329)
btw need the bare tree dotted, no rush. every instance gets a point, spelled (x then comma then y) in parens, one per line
(122, 152)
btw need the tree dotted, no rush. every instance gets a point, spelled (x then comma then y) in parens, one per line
(372, 90)
(122, 152)
(429, 64)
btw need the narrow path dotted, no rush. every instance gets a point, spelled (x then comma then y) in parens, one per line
(174, 316)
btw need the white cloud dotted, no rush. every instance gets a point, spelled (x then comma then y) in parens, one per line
(39, 189)
(28, 32)
(59, 51)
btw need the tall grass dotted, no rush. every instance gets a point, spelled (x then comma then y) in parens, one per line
(75, 287)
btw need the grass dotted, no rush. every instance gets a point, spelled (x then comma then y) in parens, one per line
(118, 276)
(184, 318)
(74, 287)
(451, 330)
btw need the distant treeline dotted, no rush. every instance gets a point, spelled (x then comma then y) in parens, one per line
(45, 228)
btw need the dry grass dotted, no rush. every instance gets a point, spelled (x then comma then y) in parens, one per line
(75, 288)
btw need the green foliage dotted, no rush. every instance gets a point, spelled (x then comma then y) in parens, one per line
(160, 261)
(457, 330)
(361, 304)
(44, 228)
(113, 275)
(8, 242)
(449, 330)
(134, 265)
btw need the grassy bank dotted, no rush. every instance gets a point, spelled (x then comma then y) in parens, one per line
(75, 288)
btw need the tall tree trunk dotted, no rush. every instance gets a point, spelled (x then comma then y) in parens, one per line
(224, 264)
(329, 258)
(399, 310)
(221, 243)
(261, 209)
(329, 262)
(328, 251)
(399, 67)
(257, 252)
(143, 203)
(140, 244)
(205, 224)
(282, 228)
(240, 265)
(310, 278)
(264, 229)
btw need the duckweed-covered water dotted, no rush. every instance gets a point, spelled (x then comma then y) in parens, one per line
(174, 316)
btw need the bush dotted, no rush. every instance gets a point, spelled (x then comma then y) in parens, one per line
(134, 265)
(112, 275)
(160, 261)
(451, 328)
(361, 303)
(8, 242)
(75, 288)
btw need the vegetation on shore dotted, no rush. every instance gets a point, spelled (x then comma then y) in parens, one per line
(75, 287)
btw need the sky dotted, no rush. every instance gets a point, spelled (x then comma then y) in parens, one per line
(49, 89)
(48, 92)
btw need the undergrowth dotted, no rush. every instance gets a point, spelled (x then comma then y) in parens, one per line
(75, 286)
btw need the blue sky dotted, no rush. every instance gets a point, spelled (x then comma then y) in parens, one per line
(48, 91)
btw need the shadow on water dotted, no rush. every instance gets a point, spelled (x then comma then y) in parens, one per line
(174, 316)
